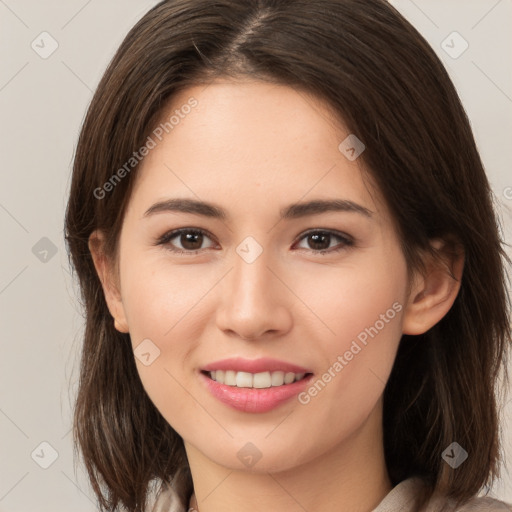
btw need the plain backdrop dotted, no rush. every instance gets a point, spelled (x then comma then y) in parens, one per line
(42, 105)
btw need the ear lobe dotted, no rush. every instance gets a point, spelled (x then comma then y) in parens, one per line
(434, 292)
(109, 281)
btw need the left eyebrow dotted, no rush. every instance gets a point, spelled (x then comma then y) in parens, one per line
(292, 211)
(316, 207)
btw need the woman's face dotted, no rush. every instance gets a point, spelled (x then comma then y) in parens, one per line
(258, 285)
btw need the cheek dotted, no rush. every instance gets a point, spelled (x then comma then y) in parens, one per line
(158, 297)
(361, 312)
(162, 302)
(344, 301)
(157, 303)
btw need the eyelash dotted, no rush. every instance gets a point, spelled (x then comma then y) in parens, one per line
(167, 237)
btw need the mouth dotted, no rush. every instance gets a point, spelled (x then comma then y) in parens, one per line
(254, 385)
(261, 380)
(254, 392)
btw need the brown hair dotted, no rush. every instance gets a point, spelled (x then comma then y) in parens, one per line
(384, 81)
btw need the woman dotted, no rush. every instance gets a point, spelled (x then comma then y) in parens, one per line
(293, 278)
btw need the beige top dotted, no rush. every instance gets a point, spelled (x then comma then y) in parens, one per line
(399, 499)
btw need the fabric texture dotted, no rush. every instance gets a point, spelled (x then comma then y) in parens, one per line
(401, 498)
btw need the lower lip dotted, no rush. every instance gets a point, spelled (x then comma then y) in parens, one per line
(251, 399)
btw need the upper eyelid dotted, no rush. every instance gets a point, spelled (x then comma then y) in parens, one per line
(329, 231)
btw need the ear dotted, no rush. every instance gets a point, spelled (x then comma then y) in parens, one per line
(434, 291)
(107, 273)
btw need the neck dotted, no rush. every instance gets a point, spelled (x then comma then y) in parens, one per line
(351, 476)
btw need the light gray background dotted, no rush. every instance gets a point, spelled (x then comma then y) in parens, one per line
(42, 104)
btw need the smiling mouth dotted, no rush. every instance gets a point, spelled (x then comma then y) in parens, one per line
(260, 380)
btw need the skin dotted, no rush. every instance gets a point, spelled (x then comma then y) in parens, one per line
(253, 148)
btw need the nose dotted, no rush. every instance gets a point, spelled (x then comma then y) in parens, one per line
(255, 301)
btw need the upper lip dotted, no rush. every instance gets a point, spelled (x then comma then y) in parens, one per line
(264, 364)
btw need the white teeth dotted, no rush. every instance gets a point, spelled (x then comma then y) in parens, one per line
(289, 377)
(243, 380)
(255, 380)
(261, 380)
(277, 378)
(230, 378)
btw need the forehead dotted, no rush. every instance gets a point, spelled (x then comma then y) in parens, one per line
(249, 144)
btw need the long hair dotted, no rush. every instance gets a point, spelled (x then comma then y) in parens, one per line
(385, 83)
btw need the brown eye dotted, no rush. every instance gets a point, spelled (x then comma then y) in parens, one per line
(320, 241)
(191, 241)
(188, 240)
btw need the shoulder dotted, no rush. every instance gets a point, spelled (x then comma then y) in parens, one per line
(400, 498)
(475, 504)
(403, 498)
(483, 504)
